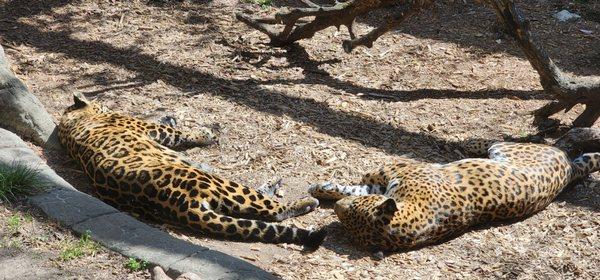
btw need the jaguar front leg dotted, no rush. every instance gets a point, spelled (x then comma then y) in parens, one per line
(179, 139)
(376, 182)
(167, 135)
(243, 201)
(332, 191)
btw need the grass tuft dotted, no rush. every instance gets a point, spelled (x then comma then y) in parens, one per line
(84, 246)
(134, 264)
(262, 3)
(18, 180)
(14, 223)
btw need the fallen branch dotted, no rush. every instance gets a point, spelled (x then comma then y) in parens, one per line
(569, 90)
(340, 13)
(390, 23)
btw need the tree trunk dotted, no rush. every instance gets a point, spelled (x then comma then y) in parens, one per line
(22, 113)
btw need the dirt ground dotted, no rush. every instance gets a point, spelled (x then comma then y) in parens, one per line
(32, 247)
(311, 113)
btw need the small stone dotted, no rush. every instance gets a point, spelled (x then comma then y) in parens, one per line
(168, 121)
(159, 274)
(338, 275)
(565, 15)
(378, 256)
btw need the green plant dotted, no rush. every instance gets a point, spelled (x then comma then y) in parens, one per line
(523, 134)
(27, 218)
(262, 3)
(15, 244)
(14, 222)
(17, 179)
(84, 246)
(134, 264)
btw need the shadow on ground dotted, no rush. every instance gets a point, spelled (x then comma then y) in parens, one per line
(367, 132)
(474, 26)
(298, 57)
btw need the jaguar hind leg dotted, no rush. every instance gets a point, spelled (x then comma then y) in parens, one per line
(481, 147)
(299, 207)
(208, 221)
(586, 164)
(296, 208)
(477, 147)
(125, 202)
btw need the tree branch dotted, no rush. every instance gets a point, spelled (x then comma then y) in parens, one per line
(390, 23)
(569, 90)
(341, 13)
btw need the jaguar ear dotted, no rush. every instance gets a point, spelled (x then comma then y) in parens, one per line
(80, 100)
(387, 207)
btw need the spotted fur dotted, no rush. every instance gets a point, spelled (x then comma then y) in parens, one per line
(412, 203)
(132, 169)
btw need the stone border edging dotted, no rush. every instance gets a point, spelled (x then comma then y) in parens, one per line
(118, 231)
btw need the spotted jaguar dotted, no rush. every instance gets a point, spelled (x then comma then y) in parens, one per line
(410, 204)
(133, 167)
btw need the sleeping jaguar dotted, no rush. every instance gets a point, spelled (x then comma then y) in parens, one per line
(411, 203)
(132, 168)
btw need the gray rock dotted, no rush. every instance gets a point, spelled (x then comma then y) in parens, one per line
(159, 274)
(168, 120)
(22, 112)
(122, 233)
(565, 15)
